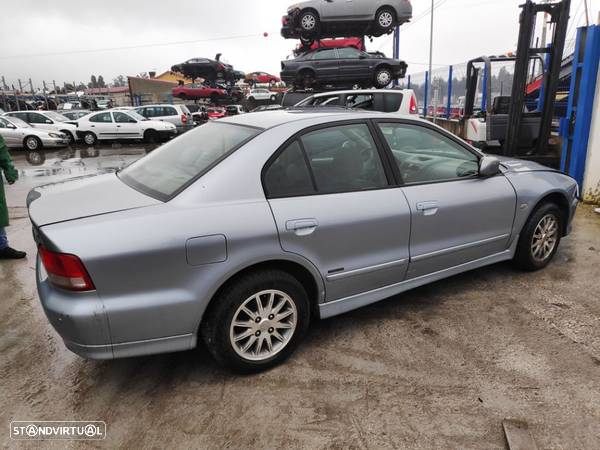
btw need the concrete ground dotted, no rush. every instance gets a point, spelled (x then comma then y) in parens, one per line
(437, 367)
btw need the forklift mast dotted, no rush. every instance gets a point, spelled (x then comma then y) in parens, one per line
(559, 16)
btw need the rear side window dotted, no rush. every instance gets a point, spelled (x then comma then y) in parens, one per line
(37, 118)
(332, 160)
(392, 102)
(168, 111)
(289, 175)
(101, 118)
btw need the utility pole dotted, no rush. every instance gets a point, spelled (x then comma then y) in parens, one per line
(587, 14)
(20, 92)
(4, 88)
(430, 55)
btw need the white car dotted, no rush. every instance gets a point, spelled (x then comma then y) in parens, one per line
(122, 125)
(47, 120)
(19, 134)
(262, 94)
(402, 102)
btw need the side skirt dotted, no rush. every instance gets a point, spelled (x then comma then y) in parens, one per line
(344, 305)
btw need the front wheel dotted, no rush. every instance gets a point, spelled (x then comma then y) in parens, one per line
(383, 77)
(33, 143)
(151, 137)
(385, 19)
(273, 99)
(257, 321)
(539, 238)
(70, 137)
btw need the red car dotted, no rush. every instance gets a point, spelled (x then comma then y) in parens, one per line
(196, 91)
(357, 43)
(216, 113)
(262, 77)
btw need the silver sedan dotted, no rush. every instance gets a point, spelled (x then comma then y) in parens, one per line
(243, 230)
(19, 134)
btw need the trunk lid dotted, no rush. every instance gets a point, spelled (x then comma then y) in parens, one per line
(83, 197)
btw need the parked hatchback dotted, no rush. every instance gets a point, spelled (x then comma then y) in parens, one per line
(47, 120)
(402, 102)
(19, 134)
(178, 115)
(244, 229)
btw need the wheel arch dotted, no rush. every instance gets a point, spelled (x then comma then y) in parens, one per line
(311, 9)
(307, 276)
(41, 144)
(560, 200)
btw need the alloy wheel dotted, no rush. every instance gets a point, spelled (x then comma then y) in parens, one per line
(308, 22)
(32, 143)
(384, 78)
(544, 238)
(89, 139)
(386, 20)
(263, 325)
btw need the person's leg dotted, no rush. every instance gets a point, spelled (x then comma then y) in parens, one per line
(3, 239)
(5, 251)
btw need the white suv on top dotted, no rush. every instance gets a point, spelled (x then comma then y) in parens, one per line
(47, 120)
(262, 94)
(400, 101)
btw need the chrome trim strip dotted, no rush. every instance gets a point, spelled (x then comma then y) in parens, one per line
(458, 248)
(351, 273)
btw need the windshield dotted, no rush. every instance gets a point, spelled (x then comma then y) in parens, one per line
(19, 123)
(135, 115)
(56, 116)
(172, 167)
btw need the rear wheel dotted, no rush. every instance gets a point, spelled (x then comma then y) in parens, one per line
(309, 22)
(70, 137)
(539, 238)
(89, 138)
(273, 98)
(214, 98)
(182, 96)
(306, 79)
(32, 143)
(257, 321)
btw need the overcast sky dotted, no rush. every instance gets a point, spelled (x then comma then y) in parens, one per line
(55, 40)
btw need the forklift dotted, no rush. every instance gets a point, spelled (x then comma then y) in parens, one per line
(505, 125)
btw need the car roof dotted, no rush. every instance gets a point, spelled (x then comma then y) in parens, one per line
(361, 91)
(270, 119)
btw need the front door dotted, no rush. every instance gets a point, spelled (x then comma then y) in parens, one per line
(127, 127)
(326, 64)
(333, 205)
(354, 64)
(457, 216)
(337, 9)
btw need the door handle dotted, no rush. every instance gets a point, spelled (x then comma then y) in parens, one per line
(428, 208)
(118, 126)
(302, 227)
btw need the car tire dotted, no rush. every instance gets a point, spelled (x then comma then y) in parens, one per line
(182, 96)
(308, 20)
(151, 137)
(214, 98)
(540, 238)
(306, 79)
(251, 99)
(383, 77)
(273, 98)
(69, 136)
(259, 342)
(307, 42)
(385, 20)
(89, 139)
(32, 143)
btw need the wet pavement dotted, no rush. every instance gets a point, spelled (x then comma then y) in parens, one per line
(437, 367)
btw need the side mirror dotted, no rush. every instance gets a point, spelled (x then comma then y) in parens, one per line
(48, 121)
(11, 126)
(489, 166)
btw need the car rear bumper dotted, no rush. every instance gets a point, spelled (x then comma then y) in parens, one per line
(165, 135)
(81, 321)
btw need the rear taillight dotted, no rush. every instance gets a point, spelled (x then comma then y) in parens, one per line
(66, 271)
(184, 119)
(413, 105)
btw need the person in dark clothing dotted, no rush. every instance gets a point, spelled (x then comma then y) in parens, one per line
(11, 175)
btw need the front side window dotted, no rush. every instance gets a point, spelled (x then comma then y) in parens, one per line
(21, 115)
(38, 118)
(349, 53)
(170, 168)
(101, 118)
(360, 101)
(424, 155)
(123, 118)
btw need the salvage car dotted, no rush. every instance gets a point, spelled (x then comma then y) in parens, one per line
(304, 47)
(342, 66)
(261, 78)
(123, 126)
(262, 95)
(74, 114)
(242, 231)
(340, 18)
(208, 69)
(178, 115)
(19, 134)
(47, 120)
(402, 102)
(199, 91)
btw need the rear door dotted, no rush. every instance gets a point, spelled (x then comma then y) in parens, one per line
(332, 202)
(457, 216)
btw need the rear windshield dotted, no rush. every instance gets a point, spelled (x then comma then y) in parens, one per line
(171, 168)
